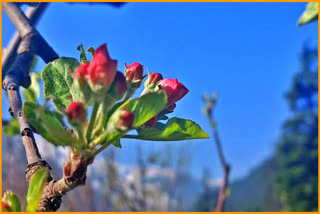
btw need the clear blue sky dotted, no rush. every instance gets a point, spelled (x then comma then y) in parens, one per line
(246, 51)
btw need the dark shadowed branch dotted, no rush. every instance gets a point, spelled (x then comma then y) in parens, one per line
(8, 57)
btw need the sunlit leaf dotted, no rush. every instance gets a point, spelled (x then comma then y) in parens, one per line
(310, 14)
(145, 107)
(58, 82)
(175, 129)
(37, 184)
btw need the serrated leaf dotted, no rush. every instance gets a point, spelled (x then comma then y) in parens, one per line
(37, 184)
(310, 14)
(58, 82)
(175, 129)
(12, 128)
(12, 201)
(145, 107)
(33, 92)
(49, 126)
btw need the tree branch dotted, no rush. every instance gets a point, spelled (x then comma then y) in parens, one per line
(210, 103)
(8, 57)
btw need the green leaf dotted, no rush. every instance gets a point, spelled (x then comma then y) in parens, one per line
(49, 126)
(58, 82)
(310, 14)
(12, 128)
(145, 107)
(37, 184)
(33, 92)
(12, 200)
(117, 143)
(175, 129)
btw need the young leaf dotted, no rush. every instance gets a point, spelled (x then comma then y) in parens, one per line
(83, 57)
(310, 14)
(35, 190)
(12, 128)
(11, 201)
(58, 82)
(175, 129)
(117, 143)
(32, 93)
(145, 107)
(49, 126)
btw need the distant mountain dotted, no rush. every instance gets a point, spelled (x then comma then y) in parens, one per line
(255, 192)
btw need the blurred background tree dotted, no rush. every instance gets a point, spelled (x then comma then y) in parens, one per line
(298, 148)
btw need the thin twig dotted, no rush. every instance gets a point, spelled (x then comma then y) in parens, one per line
(210, 103)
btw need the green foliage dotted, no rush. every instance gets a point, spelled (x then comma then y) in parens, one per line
(12, 128)
(145, 107)
(48, 126)
(297, 151)
(111, 116)
(35, 190)
(12, 201)
(310, 14)
(175, 129)
(32, 93)
(58, 82)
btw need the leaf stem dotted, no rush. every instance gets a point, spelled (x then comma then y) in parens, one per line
(95, 153)
(129, 93)
(102, 118)
(99, 139)
(92, 121)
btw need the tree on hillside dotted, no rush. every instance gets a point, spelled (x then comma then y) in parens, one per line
(298, 148)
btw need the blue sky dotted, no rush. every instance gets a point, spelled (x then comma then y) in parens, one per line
(248, 52)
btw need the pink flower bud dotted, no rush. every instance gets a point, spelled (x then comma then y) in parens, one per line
(153, 79)
(152, 122)
(125, 120)
(174, 90)
(76, 112)
(102, 68)
(119, 86)
(82, 73)
(134, 72)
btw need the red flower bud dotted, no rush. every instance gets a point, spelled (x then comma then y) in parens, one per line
(174, 90)
(82, 73)
(102, 68)
(125, 120)
(153, 79)
(76, 112)
(119, 86)
(170, 108)
(134, 72)
(6, 207)
(152, 122)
